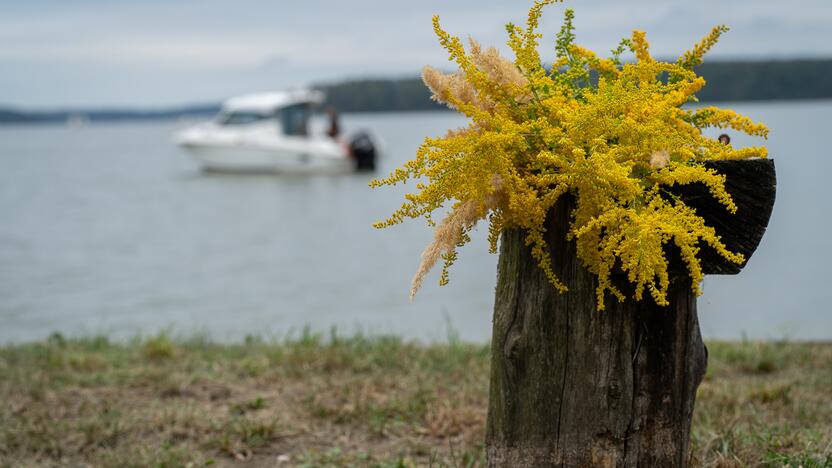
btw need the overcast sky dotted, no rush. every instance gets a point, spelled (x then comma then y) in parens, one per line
(57, 53)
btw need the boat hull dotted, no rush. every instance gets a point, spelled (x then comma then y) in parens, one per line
(251, 159)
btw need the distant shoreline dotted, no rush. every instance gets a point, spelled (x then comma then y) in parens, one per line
(728, 81)
(195, 116)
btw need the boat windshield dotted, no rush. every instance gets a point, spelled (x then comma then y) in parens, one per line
(295, 119)
(240, 118)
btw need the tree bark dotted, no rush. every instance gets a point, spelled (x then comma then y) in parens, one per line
(571, 386)
(574, 387)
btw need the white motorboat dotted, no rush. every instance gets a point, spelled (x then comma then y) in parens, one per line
(269, 132)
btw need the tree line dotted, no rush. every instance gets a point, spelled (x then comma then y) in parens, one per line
(727, 81)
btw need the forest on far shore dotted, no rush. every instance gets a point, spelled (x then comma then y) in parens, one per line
(727, 81)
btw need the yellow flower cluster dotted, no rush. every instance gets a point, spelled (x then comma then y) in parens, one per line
(612, 134)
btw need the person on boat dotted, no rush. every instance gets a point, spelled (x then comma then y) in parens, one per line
(334, 129)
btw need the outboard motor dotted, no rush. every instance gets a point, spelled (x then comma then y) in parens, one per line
(363, 150)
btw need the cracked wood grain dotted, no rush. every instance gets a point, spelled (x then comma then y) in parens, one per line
(574, 387)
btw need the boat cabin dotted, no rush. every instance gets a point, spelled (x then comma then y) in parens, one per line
(291, 109)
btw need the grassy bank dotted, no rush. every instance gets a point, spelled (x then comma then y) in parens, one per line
(352, 402)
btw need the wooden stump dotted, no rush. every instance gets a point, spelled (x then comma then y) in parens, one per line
(571, 386)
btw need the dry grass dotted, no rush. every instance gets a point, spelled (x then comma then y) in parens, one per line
(352, 402)
(765, 404)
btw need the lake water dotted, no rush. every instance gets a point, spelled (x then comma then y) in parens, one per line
(112, 229)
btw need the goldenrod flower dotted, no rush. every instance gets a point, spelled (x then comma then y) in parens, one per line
(613, 135)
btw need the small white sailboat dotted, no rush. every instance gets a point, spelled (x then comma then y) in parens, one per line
(269, 132)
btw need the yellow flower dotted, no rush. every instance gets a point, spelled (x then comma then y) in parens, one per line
(613, 135)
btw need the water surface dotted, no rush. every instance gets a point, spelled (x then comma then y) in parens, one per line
(111, 229)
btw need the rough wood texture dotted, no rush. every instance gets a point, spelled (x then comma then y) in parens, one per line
(752, 184)
(574, 387)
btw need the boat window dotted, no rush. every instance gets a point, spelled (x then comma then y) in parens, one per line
(240, 118)
(295, 119)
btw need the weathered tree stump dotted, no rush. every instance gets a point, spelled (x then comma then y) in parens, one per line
(572, 386)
